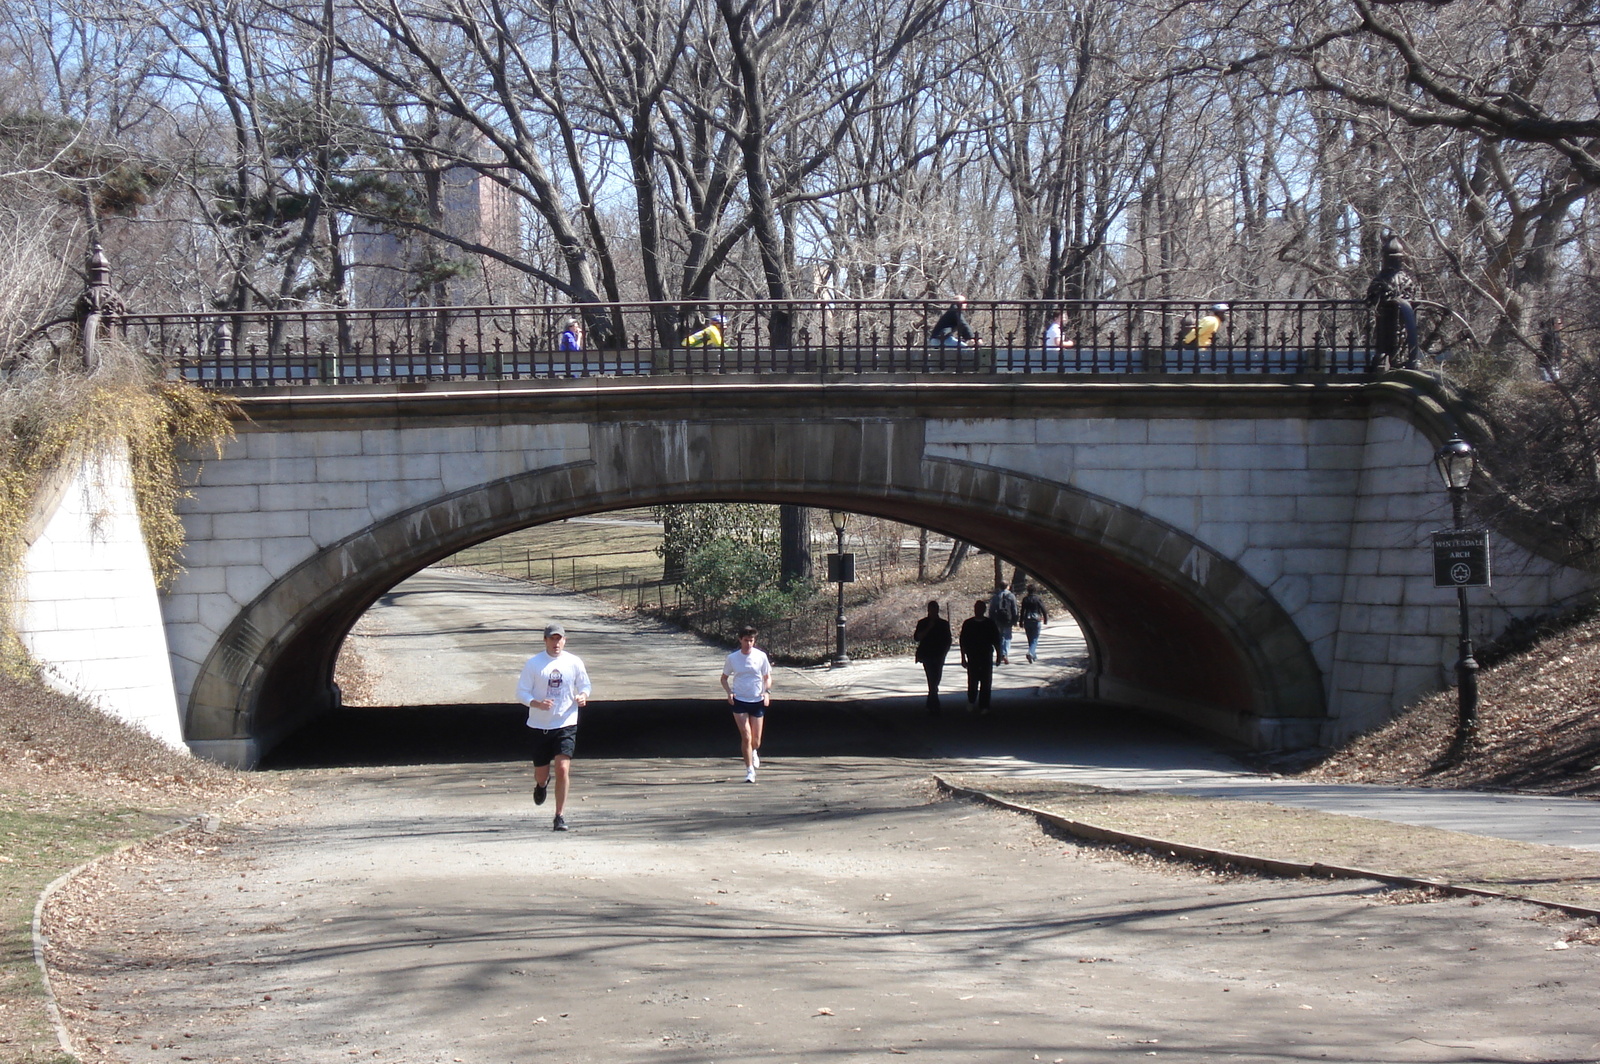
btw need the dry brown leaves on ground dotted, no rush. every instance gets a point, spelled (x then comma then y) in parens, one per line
(53, 744)
(1539, 728)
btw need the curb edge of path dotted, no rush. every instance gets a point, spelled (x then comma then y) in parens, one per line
(1273, 865)
(208, 823)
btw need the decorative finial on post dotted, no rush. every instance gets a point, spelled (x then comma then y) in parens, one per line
(96, 299)
(1392, 296)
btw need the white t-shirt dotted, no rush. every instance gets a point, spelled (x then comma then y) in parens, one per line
(562, 679)
(745, 674)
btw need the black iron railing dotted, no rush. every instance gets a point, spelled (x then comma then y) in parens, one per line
(275, 348)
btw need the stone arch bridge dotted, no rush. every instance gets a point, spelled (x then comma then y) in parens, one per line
(1246, 556)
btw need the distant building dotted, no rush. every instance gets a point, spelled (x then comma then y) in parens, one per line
(394, 267)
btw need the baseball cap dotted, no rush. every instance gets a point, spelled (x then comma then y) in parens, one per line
(553, 629)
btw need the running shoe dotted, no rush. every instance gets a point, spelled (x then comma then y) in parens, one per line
(539, 791)
(755, 759)
(750, 774)
(560, 824)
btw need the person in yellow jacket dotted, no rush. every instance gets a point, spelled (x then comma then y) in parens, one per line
(1203, 332)
(710, 336)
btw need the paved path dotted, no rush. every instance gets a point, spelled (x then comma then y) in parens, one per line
(418, 908)
(836, 912)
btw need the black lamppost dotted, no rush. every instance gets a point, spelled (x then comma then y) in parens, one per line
(1457, 461)
(840, 519)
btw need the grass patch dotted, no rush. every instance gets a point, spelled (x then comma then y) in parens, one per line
(75, 784)
(613, 556)
(41, 840)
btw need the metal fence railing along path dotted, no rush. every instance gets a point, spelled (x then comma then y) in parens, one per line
(1105, 337)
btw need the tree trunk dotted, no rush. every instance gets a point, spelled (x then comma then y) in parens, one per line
(794, 544)
(958, 554)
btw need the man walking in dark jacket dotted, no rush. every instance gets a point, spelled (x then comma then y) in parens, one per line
(980, 651)
(933, 644)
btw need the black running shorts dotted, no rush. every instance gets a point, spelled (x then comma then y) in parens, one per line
(551, 743)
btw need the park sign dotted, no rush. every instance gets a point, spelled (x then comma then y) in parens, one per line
(1461, 558)
(842, 568)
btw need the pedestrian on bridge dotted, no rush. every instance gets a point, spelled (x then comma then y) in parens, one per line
(710, 336)
(747, 678)
(980, 652)
(952, 330)
(1203, 333)
(933, 646)
(554, 685)
(571, 336)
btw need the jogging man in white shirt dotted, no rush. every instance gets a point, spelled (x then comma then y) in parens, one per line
(554, 685)
(747, 677)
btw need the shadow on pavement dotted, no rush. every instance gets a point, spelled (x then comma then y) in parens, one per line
(1050, 729)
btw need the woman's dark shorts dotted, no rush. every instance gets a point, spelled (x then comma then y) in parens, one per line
(754, 709)
(551, 743)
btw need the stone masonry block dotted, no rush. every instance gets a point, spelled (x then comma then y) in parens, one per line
(245, 582)
(1195, 482)
(220, 553)
(1265, 566)
(313, 496)
(1363, 563)
(331, 526)
(1330, 433)
(1291, 535)
(1257, 509)
(1318, 509)
(954, 432)
(216, 612)
(179, 609)
(1226, 432)
(1287, 432)
(1316, 621)
(279, 556)
(1227, 538)
(239, 498)
(1059, 432)
(290, 444)
(1174, 432)
(1374, 589)
(193, 581)
(1337, 458)
(1258, 456)
(1377, 677)
(1182, 512)
(1118, 485)
(1324, 482)
(264, 471)
(261, 525)
(389, 498)
(458, 472)
(1314, 562)
(572, 439)
(387, 441)
(452, 439)
(1368, 649)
